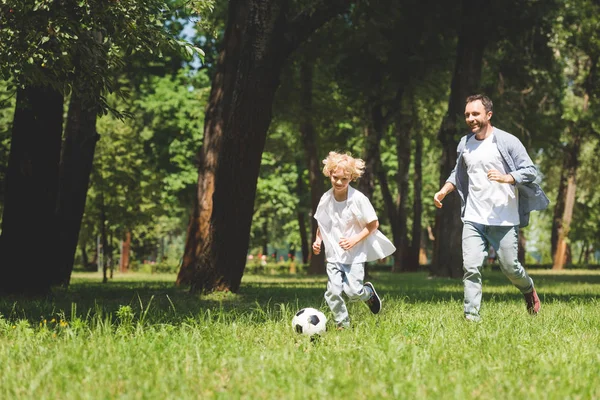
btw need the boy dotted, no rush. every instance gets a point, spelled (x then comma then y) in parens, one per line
(348, 226)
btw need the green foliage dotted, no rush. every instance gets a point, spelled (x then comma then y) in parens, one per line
(277, 200)
(144, 175)
(7, 101)
(145, 338)
(43, 42)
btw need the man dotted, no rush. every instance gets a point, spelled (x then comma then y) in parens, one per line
(494, 177)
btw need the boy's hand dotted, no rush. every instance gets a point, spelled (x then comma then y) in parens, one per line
(347, 243)
(317, 247)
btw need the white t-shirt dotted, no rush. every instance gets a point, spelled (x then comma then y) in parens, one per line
(345, 219)
(488, 202)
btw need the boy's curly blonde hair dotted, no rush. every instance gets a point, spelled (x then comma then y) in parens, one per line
(355, 167)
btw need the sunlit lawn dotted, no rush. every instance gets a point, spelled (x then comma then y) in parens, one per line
(139, 337)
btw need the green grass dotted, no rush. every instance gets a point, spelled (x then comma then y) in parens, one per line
(138, 337)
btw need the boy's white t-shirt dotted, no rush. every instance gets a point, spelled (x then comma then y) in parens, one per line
(345, 219)
(488, 202)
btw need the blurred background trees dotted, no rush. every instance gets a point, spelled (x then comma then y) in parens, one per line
(121, 82)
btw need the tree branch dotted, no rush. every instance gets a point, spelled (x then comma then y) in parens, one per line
(311, 19)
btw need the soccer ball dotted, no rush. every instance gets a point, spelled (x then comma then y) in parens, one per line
(309, 321)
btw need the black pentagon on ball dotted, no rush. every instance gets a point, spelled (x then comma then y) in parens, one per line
(313, 319)
(298, 328)
(300, 312)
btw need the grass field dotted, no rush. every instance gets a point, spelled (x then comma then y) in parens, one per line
(138, 337)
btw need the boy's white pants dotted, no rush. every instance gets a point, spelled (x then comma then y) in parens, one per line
(345, 278)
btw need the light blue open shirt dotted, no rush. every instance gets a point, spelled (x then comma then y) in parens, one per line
(516, 162)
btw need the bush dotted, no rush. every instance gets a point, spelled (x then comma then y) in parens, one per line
(273, 268)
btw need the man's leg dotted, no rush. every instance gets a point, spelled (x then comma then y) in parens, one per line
(473, 248)
(507, 250)
(505, 240)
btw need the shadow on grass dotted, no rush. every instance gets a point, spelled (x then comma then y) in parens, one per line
(162, 302)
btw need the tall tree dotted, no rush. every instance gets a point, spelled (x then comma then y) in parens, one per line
(582, 45)
(309, 143)
(258, 39)
(31, 186)
(447, 256)
(77, 156)
(41, 44)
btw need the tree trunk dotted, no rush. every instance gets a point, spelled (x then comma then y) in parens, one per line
(309, 142)
(258, 39)
(104, 240)
(395, 208)
(371, 154)
(403, 130)
(265, 235)
(84, 257)
(563, 213)
(32, 184)
(125, 252)
(75, 168)
(447, 253)
(413, 258)
(301, 214)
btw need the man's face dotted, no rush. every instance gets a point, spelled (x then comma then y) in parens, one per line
(476, 117)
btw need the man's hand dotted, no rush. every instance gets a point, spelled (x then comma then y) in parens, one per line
(497, 176)
(317, 247)
(444, 191)
(438, 197)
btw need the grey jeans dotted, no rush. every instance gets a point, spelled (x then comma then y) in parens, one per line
(348, 279)
(475, 241)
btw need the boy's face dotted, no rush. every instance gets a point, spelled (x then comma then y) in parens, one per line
(340, 178)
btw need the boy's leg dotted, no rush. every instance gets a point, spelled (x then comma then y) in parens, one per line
(356, 290)
(353, 285)
(473, 249)
(333, 295)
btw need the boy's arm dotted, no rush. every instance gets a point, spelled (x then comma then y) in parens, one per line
(317, 244)
(348, 243)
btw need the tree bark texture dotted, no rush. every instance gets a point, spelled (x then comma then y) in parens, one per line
(565, 203)
(403, 139)
(76, 163)
(301, 214)
(32, 186)
(309, 142)
(413, 258)
(447, 253)
(125, 252)
(258, 39)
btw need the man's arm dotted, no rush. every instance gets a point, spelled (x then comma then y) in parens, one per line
(525, 171)
(439, 196)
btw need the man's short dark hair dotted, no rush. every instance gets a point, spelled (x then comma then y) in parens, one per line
(486, 101)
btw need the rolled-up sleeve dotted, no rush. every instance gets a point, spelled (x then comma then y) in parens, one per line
(525, 171)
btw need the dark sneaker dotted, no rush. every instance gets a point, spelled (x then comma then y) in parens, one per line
(533, 302)
(374, 301)
(345, 324)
